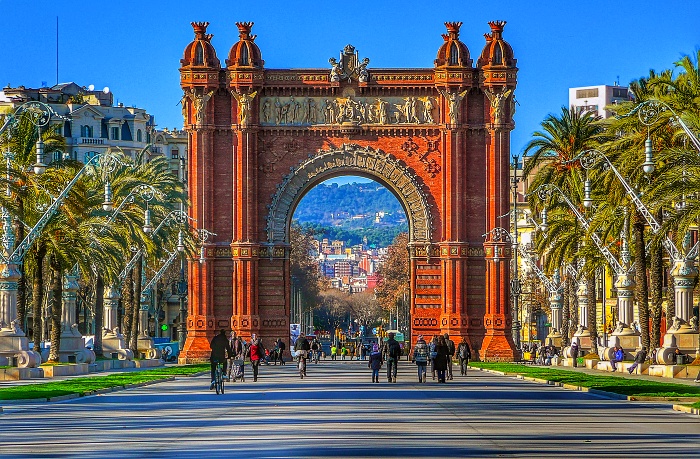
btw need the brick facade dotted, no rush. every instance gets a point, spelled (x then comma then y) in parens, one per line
(439, 138)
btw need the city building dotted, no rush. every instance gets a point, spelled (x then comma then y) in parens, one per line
(596, 98)
(91, 123)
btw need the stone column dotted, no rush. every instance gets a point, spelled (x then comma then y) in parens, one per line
(13, 342)
(145, 342)
(72, 341)
(555, 303)
(111, 303)
(581, 337)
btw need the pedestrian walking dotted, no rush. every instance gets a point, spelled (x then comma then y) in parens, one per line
(343, 352)
(257, 354)
(281, 346)
(450, 354)
(641, 357)
(334, 352)
(420, 357)
(393, 354)
(464, 354)
(375, 362)
(440, 360)
(432, 355)
(573, 351)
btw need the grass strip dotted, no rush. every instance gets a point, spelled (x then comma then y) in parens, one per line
(695, 405)
(81, 386)
(614, 384)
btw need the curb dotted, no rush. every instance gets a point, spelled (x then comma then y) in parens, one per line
(686, 409)
(33, 401)
(600, 393)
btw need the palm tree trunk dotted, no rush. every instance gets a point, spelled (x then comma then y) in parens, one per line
(38, 294)
(565, 314)
(136, 300)
(99, 314)
(573, 305)
(56, 305)
(592, 312)
(670, 301)
(640, 268)
(656, 278)
(127, 293)
(22, 283)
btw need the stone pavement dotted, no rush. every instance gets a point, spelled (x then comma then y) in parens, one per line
(337, 412)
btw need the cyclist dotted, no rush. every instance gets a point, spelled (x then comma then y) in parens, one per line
(220, 350)
(303, 345)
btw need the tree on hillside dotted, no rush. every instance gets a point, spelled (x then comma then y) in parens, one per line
(393, 274)
(302, 266)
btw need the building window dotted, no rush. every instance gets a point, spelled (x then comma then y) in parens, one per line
(199, 55)
(86, 131)
(148, 137)
(620, 92)
(244, 54)
(498, 54)
(586, 93)
(588, 108)
(174, 153)
(89, 155)
(115, 133)
(454, 54)
(139, 135)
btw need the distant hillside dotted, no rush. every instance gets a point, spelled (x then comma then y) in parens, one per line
(352, 212)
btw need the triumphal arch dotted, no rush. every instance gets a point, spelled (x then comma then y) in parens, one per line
(437, 137)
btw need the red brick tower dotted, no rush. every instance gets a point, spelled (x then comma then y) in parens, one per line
(499, 79)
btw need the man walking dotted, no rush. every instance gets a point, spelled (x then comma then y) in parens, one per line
(393, 353)
(464, 354)
(450, 354)
(574, 353)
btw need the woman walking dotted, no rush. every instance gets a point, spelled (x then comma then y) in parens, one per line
(375, 362)
(440, 360)
(432, 355)
(257, 353)
(420, 356)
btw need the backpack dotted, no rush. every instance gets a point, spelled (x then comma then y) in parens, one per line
(394, 350)
(420, 353)
(450, 347)
(464, 351)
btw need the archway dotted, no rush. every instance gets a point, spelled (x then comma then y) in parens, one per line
(438, 138)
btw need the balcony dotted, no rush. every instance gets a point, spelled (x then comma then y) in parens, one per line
(90, 141)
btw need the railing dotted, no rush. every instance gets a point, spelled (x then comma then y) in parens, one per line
(91, 141)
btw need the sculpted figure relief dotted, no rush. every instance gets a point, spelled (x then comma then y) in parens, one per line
(244, 105)
(362, 71)
(315, 110)
(336, 70)
(454, 99)
(200, 104)
(498, 101)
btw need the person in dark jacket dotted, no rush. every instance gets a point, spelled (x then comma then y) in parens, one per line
(450, 353)
(220, 351)
(441, 357)
(393, 354)
(464, 354)
(420, 356)
(375, 362)
(641, 357)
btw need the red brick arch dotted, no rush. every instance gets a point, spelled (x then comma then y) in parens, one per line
(438, 138)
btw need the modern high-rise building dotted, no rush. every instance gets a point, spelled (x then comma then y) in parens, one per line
(596, 98)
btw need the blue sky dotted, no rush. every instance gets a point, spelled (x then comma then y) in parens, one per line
(134, 47)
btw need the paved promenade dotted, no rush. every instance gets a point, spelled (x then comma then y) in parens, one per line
(337, 412)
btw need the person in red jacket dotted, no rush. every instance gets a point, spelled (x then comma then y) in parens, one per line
(257, 354)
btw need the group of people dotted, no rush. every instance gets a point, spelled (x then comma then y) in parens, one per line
(227, 348)
(439, 353)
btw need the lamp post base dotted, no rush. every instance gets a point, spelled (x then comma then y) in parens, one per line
(14, 350)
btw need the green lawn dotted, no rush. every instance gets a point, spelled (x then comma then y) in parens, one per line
(608, 383)
(695, 405)
(82, 385)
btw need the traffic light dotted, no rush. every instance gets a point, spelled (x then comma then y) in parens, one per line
(164, 327)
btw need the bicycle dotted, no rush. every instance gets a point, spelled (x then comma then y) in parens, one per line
(219, 378)
(302, 363)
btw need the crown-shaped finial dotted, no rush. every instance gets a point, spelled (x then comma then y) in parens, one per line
(497, 28)
(453, 29)
(244, 30)
(200, 29)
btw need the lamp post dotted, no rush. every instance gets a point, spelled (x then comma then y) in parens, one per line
(14, 341)
(515, 286)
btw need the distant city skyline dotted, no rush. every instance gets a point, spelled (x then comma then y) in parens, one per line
(136, 51)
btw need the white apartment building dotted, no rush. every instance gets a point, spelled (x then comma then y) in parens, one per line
(596, 98)
(91, 123)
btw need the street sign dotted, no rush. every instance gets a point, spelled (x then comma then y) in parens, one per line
(374, 331)
(548, 324)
